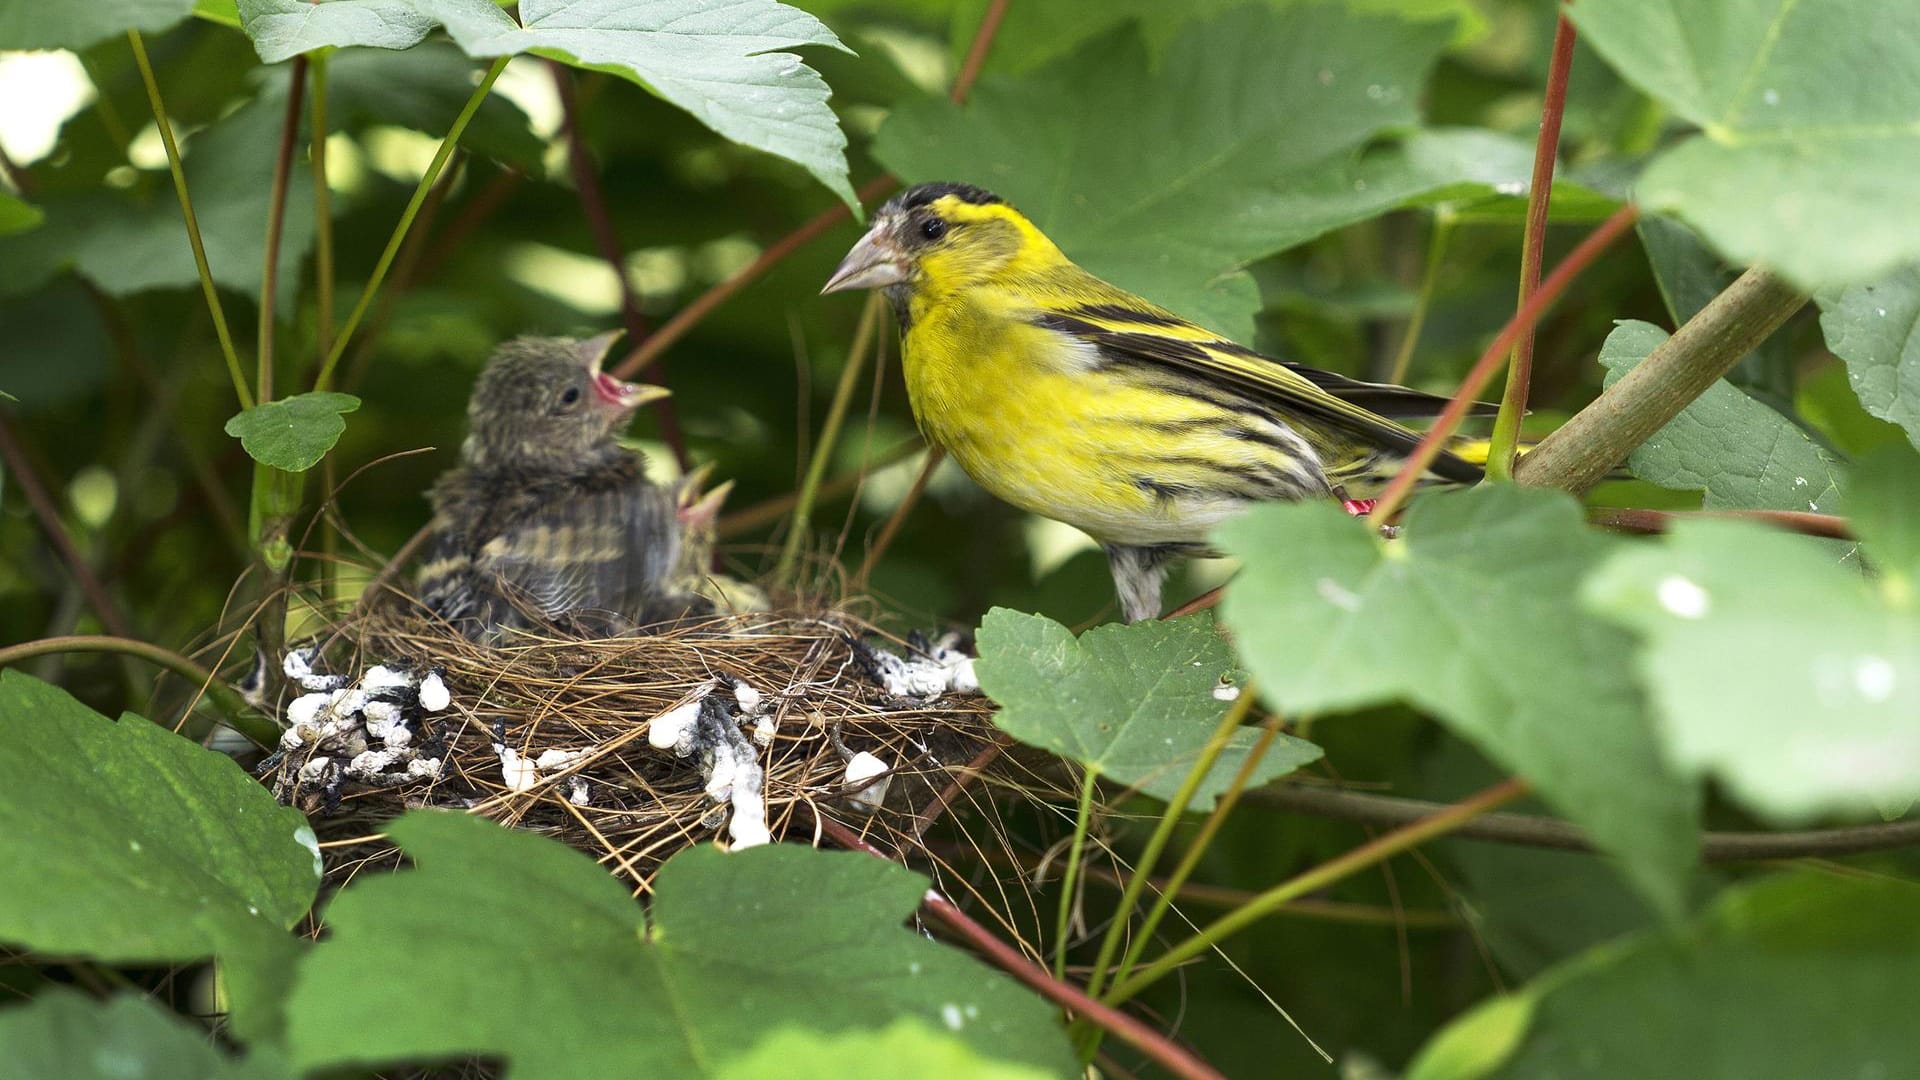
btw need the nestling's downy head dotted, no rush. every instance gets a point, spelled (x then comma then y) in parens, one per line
(544, 403)
(937, 238)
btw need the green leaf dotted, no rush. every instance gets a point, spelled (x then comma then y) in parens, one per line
(1472, 618)
(1477, 1043)
(127, 247)
(1875, 328)
(1804, 163)
(293, 433)
(17, 215)
(60, 1033)
(1741, 454)
(908, 1047)
(1131, 702)
(283, 29)
(551, 963)
(1775, 667)
(224, 12)
(1244, 139)
(1032, 33)
(129, 844)
(424, 89)
(1793, 976)
(722, 63)
(35, 24)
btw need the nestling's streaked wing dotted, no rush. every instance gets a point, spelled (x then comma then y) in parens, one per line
(603, 551)
(1140, 335)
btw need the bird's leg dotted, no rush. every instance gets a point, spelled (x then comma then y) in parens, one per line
(1138, 573)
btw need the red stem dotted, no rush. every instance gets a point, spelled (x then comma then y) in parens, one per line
(49, 515)
(977, 52)
(1581, 257)
(276, 217)
(593, 202)
(1164, 1052)
(648, 351)
(1513, 402)
(1659, 521)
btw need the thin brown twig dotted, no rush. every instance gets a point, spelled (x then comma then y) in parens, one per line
(276, 217)
(683, 321)
(1531, 830)
(771, 510)
(1169, 1055)
(1658, 521)
(648, 351)
(593, 203)
(48, 514)
(1576, 262)
(935, 455)
(976, 59)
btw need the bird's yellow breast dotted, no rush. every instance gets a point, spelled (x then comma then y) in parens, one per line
(1028, 414)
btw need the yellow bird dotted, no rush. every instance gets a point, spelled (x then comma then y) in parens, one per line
(1079, 401)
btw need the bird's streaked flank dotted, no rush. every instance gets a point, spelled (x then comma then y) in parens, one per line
(1079, 401)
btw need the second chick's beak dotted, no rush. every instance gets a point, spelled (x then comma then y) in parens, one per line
(875, 262)
(615, 394)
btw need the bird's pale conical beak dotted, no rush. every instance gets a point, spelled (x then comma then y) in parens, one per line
(873, 263)
(619, 396)
(595, 350)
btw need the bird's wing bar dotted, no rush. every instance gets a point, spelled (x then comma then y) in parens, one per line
(1222, 363)
(575, 553)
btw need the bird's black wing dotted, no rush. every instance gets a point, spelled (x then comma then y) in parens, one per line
(1156, 339)
(1386, 399)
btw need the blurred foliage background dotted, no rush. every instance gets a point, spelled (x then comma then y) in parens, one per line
(120, 392)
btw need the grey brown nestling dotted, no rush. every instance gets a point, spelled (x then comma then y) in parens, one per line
(547, 519)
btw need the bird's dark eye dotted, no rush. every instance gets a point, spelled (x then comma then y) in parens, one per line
(933, 228)
(570, 395)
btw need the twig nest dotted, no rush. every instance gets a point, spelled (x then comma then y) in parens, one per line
(734, 729)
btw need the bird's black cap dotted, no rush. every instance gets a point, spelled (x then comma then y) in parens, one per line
(922, 194)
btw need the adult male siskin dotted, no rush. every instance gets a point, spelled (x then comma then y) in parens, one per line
(1079, 401)
(547, 519)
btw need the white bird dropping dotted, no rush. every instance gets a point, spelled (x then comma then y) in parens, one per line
(864, 766)
(433, 693)
(673, 729)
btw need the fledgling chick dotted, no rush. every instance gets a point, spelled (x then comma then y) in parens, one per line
(699, 525)
(548, 520)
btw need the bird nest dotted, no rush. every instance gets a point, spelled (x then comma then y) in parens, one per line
(737, 729)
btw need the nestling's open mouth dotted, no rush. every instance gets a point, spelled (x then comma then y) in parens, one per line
(612, 390)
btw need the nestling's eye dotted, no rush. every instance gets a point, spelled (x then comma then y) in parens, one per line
(933, 228)
(570, 395)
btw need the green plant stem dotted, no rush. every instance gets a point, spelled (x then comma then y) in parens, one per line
(1577, 261)
(1366, 855)
(276, 218)
(1163, 832)
(1437, 241)
(863, 338)
(232, 707)
(1175, 1059)
(1513, 400)
(1629, 412)
(1197, 849)
(322, 212)
(1070, 878)
(380, 268)
(193, 223)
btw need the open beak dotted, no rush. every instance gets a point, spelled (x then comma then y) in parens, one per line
(621, 396)
(873, 263)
